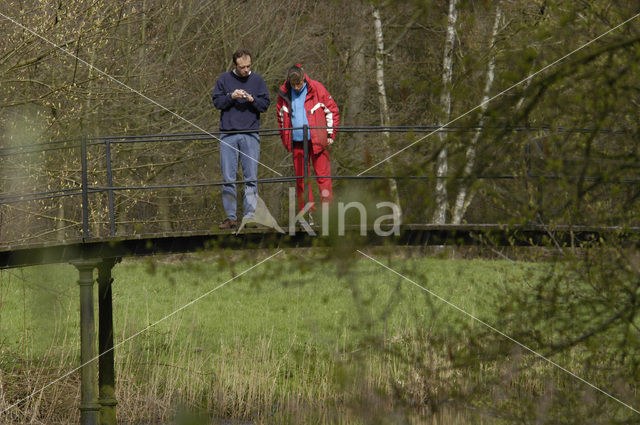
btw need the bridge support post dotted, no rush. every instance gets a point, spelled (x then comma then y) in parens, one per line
(89, 406)
(106, 375)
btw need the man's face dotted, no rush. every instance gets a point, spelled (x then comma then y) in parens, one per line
(243, 65)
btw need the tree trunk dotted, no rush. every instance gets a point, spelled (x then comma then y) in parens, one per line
(464, 198)
(385, 118)
(440, 214)
(356, 92)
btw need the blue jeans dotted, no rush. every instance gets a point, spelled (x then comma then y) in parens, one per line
(245, 147)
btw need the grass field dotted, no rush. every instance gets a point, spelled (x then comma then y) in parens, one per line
(306, 337)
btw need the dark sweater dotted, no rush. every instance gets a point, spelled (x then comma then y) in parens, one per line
(240, 114)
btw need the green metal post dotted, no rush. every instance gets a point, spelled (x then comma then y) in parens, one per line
(89, 406)
(106, 375)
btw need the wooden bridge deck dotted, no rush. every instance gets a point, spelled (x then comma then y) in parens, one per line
(409, 235)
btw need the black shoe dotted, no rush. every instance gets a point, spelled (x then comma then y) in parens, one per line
(251, 224)
(228, 224)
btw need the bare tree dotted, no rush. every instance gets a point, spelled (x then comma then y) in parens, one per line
(464, 198)
(385, 118)
(442, 166)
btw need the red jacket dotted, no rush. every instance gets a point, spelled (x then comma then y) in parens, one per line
(322, 111)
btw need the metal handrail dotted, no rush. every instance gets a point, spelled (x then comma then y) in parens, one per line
(85, 142)
(275, 131)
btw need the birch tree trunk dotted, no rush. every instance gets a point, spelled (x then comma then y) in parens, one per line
(464, 197)
(385, 118)
(440, 214)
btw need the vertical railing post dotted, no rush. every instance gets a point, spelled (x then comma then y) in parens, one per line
(527, 158)
(528, 166)
(539, 188)
(305, 150)
(112, 219)
(85, 189)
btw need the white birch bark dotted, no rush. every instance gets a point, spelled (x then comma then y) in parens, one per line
(385, 119)
(464, 198)
(382, 94)
(440, 214)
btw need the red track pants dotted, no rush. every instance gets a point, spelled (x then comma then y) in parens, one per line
(321, 167)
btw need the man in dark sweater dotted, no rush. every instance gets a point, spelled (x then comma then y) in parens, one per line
(241, 95)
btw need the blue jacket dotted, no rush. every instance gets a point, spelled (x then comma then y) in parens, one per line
(298, 114)
(240, 114)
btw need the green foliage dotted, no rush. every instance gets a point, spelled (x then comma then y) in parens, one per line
(298, 334)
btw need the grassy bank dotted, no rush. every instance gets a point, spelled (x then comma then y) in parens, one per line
(303, 338)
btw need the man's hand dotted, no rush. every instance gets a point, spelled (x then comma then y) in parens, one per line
(241, 94)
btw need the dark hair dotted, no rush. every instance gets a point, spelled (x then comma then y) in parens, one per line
(295, 74)
(240, 53)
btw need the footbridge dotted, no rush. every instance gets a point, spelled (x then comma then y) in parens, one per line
(92, 201)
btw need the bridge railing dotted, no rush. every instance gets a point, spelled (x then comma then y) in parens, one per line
(125, 185)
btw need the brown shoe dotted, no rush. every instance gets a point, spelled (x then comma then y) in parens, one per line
(228, 224)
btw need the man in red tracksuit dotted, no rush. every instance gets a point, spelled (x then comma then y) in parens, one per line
(303, 101)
